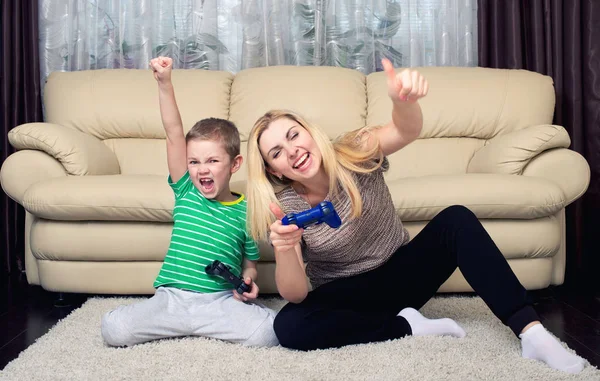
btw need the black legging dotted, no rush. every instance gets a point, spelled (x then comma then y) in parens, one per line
(364, 308)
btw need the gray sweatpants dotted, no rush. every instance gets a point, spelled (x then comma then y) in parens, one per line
(172, 312)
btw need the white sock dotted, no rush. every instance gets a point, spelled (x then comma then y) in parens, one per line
(539, 344)
(421, 326)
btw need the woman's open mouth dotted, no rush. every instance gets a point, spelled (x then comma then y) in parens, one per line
(303, 162)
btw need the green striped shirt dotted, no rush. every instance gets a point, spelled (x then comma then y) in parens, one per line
(204, 230)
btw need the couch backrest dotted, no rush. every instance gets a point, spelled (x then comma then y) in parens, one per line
(464, 108)
(121, 103)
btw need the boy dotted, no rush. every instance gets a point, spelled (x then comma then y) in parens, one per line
(209, 223)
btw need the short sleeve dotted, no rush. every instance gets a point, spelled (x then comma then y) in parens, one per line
(365, 178)
(385, 165)
(181, 187)
(250, 249)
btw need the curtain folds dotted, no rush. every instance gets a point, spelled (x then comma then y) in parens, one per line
(237, 34)
(19, 103)
(560, 39)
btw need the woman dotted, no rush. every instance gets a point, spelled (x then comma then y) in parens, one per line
(369, 279)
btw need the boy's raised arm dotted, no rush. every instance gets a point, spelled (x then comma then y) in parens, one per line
(171, 119)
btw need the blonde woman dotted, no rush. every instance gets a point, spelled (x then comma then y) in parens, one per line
(369, 279)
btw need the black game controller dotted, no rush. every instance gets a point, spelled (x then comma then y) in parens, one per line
(220, 269)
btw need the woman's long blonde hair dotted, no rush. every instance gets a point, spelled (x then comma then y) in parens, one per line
(347, 154)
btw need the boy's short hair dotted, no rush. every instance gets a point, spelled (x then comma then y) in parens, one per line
(217, 129)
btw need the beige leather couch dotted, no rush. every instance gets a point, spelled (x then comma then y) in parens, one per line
(93, 178)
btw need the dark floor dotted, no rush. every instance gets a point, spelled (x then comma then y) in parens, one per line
(28, 312)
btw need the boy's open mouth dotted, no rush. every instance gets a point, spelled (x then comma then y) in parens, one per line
(207, 184)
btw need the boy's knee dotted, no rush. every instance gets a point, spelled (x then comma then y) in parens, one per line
(113, 331)
(264, 336)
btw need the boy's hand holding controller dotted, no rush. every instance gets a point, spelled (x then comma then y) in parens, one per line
(253, 294)
(244, 288)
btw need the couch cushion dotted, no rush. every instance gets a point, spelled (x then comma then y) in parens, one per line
(435, 156)
(149, 241)
(140, 156)
(489, 196)
(149, 157)
(100, 240)
(107, 241)
(102, 198)
(516, 239)
(332, 97)
(149, 198)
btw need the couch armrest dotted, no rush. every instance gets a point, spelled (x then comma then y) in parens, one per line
(566, 168)
(80, 153)
(510, 153)
(22, 169)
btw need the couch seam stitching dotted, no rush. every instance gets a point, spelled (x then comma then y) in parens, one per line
(92, 206)
(366, 87)
(50, 148)
(229, 97)
(511, 205)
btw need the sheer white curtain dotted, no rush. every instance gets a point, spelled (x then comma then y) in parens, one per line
(236, 34)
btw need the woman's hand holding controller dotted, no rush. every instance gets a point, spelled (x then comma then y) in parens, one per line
(283, 237)
(289, 270)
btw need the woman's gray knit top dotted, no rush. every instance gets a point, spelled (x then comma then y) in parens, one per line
(358, 245)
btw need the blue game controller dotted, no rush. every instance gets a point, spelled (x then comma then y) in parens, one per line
(324, 212)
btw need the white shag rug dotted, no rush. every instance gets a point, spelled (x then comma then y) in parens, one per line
(74, 350)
